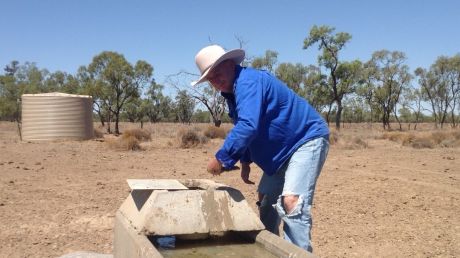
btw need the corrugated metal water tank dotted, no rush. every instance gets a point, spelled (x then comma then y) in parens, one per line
(53, 116)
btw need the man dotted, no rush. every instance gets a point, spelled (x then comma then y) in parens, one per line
(274, 128)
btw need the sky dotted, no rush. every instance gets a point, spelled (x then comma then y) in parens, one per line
(64, 35)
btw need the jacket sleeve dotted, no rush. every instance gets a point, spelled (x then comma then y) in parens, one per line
(249, 105)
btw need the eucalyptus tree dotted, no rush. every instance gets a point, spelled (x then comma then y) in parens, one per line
(185, 106)
(116, 81)
(330, 44)
(441, 87)
(204, 93)
(9, 93)
(137, 110)
(267, 62)
(62, 82)
(389, 76)
(158, 106)
(412, 100)
(293, 75)
(19, 79)
(454, 86)
(90, 87)
(316, 90)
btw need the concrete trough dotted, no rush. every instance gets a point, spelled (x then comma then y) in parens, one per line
(192, 211)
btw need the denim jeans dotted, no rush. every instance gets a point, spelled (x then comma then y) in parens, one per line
(296, 177)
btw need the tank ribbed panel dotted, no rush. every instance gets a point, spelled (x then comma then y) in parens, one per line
(56, 116)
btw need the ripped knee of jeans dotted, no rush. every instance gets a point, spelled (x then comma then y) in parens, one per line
(293, 209)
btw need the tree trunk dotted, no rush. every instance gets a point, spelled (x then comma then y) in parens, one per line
(338, 116)
(329, 114)
(117, 119)
(397, 119)
(101, 117)
(109, 121)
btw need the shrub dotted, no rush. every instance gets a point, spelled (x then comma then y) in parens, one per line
(438, 137)
(408, 139)
(98, 133)
(422, 143)
(333, 137)
(355, 143)
(456, 134)
(139, 134)
(191, 138)
(395, 136)
(359, 142)
(213, 132)
(125, 143)
(449, 143)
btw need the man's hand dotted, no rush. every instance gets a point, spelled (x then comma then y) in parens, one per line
(214, 166)
(245, 170)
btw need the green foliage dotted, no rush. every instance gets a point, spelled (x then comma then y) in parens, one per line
(29, 79)
(293, 75)
(200, 116)
(341, 77)
(204, 93)
(440, 86)
(330, 44)
(387, 78)
(267, 62)
(184, 106)
(113, 82)
(316, 90)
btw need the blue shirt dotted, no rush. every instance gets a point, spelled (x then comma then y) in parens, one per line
(271, 121)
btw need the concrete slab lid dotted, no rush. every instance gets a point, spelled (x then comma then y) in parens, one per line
(155, 184)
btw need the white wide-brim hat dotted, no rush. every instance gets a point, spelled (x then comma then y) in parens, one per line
(209, 57)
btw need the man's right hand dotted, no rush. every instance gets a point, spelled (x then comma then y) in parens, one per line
(245, 171)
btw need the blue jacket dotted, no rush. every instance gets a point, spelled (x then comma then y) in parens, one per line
(271, 121)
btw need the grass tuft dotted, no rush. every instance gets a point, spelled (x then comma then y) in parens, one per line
(213, 132)
(140, 134)
(190, 138)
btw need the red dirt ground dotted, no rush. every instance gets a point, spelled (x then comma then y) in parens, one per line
(384, 200)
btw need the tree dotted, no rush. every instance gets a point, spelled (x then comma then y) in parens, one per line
(90, 87)
(454, 86)
(441, 87)
(62, 82)
(158, 106)
(330, 44)
(293, 75)
(266, 62)
(184, 106)
(115, 82)
(412, 106)
(389, 76)
(204, 93)
(316, 90)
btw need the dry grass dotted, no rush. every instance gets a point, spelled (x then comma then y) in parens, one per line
(333, 136)
(124, 143)
(98, 133)
(348, 139)
(130, 140)
(425, 139)
(139, 134)
(422, 143)
(213, 132)
(190, 138)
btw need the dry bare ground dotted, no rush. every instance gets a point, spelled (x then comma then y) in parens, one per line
(375, 197)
